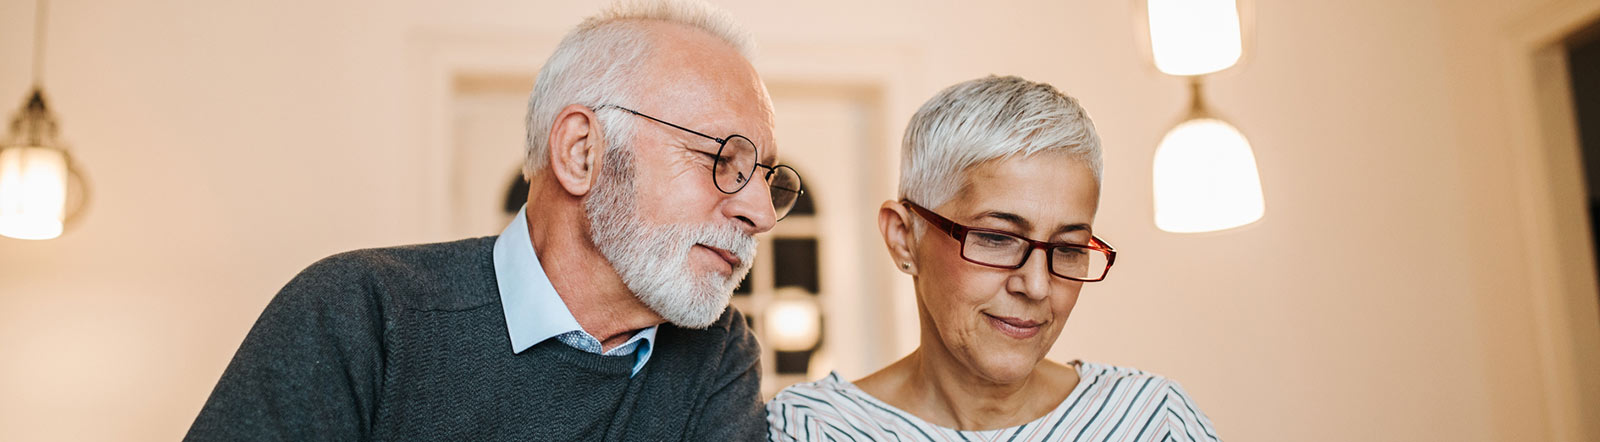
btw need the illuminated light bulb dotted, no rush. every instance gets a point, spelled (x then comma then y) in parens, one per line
(33, 192)
(1206, 178)
(1194, 37)
(793, 323)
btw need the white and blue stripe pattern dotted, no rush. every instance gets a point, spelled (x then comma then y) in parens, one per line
(1109, 404)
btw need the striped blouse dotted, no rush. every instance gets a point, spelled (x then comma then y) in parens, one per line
(1109, 404)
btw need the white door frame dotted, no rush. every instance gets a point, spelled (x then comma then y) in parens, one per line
(1550, 185)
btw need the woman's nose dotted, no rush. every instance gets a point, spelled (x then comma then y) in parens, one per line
(1033, 278)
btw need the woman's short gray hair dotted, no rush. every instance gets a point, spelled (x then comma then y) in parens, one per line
(986, 119)
(597, 63)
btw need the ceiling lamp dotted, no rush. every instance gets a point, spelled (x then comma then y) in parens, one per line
(1194, 37)
(41, 189)
(1204, 172)
(1205, 175)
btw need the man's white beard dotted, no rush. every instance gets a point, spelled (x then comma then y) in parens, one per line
(653, 260)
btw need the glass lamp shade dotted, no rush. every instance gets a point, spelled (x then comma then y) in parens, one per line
(793, 323)
(1206, 178)
(1194, 37)
(33, 192)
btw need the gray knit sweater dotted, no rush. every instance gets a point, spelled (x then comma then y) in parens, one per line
(410, 343)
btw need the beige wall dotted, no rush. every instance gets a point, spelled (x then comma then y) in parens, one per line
(1385, 296)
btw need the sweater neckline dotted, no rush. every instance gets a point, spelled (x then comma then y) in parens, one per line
(554, 349)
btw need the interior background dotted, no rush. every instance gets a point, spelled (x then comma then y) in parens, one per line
(1391, 292)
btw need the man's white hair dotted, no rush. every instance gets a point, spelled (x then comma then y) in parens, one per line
(989, 118)
(597, 63)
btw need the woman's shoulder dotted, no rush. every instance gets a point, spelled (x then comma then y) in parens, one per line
(1162, 389)
(1165, 394)
(828, 408)
(823, 394)
(1103, 376)
(1094, 371)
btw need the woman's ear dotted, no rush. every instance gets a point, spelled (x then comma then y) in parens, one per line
(576, 146)
(894, 221)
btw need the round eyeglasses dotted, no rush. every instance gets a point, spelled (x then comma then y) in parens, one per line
(735, 164)
(994, 248)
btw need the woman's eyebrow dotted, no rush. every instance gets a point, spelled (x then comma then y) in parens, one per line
(1023, 224)
(1069, 228)
(1072, 228)
(1012, 218)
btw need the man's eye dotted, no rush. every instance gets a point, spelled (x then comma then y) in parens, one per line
(710, 157)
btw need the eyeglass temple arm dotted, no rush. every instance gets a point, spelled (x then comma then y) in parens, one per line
(674, 126)
(944, 225)
(1102, 244)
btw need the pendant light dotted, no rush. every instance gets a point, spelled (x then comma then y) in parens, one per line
(1205, 175)
(1194, 37)
(41, 189)
(1204, 171)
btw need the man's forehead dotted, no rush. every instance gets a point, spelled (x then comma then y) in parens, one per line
(755, 124)
(715, 104)
(697, 80)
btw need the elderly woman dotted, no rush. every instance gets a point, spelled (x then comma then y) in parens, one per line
(999, 184)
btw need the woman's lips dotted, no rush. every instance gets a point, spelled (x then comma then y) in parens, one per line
(1014, 327)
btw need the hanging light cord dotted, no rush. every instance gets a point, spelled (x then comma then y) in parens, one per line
(38, 43)
(33, 125)
(1197, 99)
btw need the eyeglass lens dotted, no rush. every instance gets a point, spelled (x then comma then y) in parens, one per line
(736, 166)
(1002, 250)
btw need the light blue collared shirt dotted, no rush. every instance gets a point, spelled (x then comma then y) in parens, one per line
(534, 312)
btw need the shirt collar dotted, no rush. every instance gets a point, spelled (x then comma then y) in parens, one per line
(534, 312)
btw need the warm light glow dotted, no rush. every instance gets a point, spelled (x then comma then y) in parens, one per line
(33, 192)
(1206, 178)
(793, 323)
(1194, 37)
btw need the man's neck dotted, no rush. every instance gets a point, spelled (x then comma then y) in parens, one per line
(586, 282)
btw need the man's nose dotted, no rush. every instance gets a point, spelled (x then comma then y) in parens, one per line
(752, 206)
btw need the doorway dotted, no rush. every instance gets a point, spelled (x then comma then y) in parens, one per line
(1583, 67)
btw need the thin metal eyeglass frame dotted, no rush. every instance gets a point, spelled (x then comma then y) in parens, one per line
(959, 233)
(722, 143)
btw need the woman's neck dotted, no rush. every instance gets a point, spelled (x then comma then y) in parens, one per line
(932, 385)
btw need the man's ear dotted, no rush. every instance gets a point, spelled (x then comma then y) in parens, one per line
(576, 148)
(895, 224)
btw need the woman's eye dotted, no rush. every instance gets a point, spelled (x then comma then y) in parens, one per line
(994, 240)
(1072, 254)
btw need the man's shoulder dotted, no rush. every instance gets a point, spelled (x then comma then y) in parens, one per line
(424, 254)
(728, 342)
(442, 275)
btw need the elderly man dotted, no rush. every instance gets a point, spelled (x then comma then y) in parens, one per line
(600, 313)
